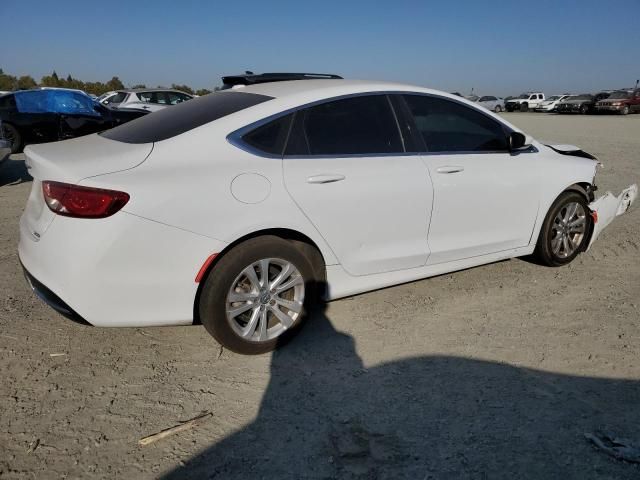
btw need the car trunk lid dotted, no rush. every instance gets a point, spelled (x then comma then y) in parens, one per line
(70, 162)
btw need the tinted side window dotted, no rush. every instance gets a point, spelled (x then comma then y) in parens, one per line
(358, 125)
(270, 137)
(448, 126)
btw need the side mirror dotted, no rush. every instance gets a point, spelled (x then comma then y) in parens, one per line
(518, 140)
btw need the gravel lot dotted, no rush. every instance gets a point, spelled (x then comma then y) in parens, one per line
(493, 372)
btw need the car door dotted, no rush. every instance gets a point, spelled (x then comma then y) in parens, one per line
(485, 198)
(346, 169)
(78, 114)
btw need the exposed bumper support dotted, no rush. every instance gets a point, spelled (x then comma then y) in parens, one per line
(608, 207)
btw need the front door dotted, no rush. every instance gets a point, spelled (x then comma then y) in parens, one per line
(346, 169)
(485, 198)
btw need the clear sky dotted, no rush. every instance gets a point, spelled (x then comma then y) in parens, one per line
(497, 47)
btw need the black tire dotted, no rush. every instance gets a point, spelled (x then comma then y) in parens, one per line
(584, 109)
(497, 109)
(213, 297)
(11, 133)
(625, 110)
(524, 107)
(544, 252)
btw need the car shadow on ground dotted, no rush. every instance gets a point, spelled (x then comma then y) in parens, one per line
(323, 415)
(14, 172)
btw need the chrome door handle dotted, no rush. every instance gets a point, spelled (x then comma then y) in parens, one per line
(329, 178)
(450, 169)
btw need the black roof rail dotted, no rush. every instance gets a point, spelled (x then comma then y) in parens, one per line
(252, 79)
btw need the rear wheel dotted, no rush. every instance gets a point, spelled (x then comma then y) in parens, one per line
(565, 230)
(256, 295)
(10, 133)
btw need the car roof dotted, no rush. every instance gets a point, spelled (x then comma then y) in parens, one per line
(320, 89)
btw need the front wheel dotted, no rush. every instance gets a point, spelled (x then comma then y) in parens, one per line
(584, 109)
(524, 107)
(256, 295)
(565, 230)
(497, 109)
(11, 133)
(625, 110)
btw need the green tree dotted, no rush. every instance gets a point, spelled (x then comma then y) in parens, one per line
(183, 88)
(115, 84)
(26, 82)
(7, 82)
(50, 80)
(202, 91)
(139, 85)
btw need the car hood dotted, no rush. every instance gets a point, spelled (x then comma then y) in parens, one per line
(74, 160)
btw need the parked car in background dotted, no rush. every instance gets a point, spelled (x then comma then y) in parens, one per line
(151, 99)
(550, 104)
(524, 102)
(583, 103)
(291, 192)
(495, 104)
(48, 115)
(620, 101)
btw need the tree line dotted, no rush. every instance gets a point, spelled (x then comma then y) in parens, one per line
(25, 82)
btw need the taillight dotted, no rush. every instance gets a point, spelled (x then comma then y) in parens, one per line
(82, 202)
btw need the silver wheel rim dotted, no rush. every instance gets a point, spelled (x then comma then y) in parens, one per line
(265, 300)
(568, 229)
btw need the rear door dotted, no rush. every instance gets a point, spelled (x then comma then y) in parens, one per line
(346, 169)
(485, 199)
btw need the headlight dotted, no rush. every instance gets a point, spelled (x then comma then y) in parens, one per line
(616, 104)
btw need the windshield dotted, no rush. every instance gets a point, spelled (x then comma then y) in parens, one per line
(554, 97)
(523, 96)
(581, 97)
(620, 94)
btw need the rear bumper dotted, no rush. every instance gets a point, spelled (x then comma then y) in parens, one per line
(51, 299)
(120, 271)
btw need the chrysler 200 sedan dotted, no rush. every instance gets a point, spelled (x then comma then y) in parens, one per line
(240, 208)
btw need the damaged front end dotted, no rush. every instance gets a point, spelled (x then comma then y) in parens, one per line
(607, 207)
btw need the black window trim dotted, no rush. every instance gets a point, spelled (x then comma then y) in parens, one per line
(235, 137)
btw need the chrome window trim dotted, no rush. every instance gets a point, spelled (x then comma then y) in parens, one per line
(235, 137)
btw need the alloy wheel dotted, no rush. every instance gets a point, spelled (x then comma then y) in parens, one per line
(265, 299)
(568, 229)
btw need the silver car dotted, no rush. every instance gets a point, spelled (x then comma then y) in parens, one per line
(495, 104)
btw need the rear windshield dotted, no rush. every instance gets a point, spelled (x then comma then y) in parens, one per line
(183, 117)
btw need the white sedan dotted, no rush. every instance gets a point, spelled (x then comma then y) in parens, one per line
(239, 208)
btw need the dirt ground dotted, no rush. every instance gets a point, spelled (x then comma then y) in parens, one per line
(492, 372)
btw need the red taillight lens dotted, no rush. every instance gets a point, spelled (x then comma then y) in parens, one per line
(82, 202)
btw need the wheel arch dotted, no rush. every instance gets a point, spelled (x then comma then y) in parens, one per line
(301, 241)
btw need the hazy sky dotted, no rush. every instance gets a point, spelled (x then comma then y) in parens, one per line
(497, 47)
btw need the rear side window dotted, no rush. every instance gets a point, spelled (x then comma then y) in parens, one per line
(271, 137)
(362, 125)
(183, 117)
(448, 126)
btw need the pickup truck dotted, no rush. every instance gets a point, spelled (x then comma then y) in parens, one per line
(620, 101)
(525, 101)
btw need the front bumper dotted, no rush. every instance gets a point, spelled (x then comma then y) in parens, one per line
(609, 108)
(608, 207)
(5, 150)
